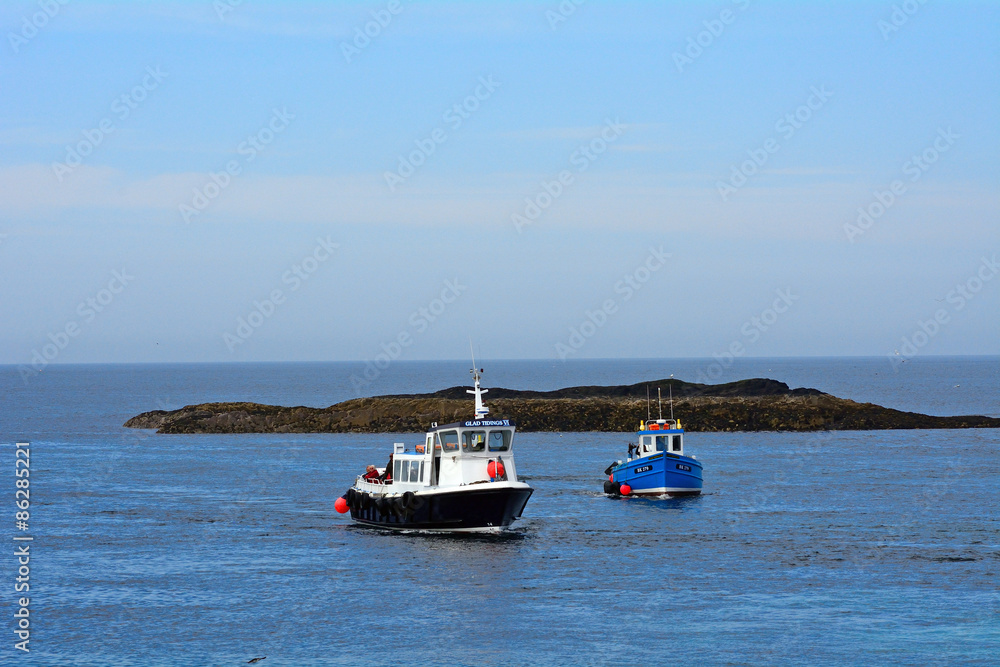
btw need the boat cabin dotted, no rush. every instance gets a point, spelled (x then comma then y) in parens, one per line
(456, 454)
(661, 435)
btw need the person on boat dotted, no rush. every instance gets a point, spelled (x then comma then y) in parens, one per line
(632, 448)
(371, 472)
(387, 475)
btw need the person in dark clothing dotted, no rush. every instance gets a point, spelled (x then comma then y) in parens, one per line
(387, 475)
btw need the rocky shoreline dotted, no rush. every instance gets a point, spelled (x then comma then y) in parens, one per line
(747, 405)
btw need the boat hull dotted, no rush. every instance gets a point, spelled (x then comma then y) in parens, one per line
(491, 508)
(659, 474)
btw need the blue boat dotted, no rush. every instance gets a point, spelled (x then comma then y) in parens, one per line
(656, 466)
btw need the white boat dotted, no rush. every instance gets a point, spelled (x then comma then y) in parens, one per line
(461, 478)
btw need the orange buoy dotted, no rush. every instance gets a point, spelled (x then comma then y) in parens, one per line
(626, 489)
(495, 469)
(340, 505)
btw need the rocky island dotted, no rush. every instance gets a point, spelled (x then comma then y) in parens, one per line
(747, 405)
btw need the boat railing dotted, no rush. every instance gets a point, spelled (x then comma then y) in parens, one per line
(373, 481)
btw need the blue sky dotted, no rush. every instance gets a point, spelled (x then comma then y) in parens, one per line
(619, 100)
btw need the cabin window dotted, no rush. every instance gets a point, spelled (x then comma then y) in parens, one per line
(449, 441)
(647, 440)
(499, 441)
(661, 443)
(475, 441)
(396, 466)
(420, 477)
(677, 443)
(415, 472)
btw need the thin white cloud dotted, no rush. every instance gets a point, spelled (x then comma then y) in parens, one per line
(652, 202)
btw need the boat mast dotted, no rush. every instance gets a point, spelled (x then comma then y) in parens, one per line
(647, 402)
(659, 403)
(481, 410)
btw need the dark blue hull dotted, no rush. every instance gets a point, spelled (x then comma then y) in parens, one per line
(485, 508)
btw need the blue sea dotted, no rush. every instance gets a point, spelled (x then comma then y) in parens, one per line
(853, 548)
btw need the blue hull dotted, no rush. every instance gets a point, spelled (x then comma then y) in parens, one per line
(658, 474)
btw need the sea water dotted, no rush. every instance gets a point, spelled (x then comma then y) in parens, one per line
(822, 548)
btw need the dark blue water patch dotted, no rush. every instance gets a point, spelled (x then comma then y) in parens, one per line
(837, 559)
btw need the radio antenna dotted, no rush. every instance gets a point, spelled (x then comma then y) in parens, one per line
(671, 397)
(659, 403)
(647, 402)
